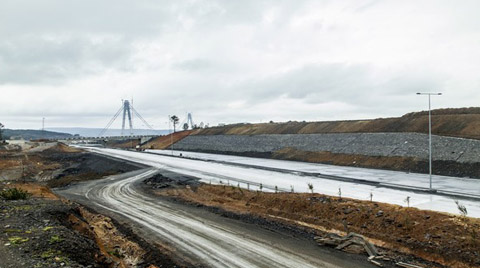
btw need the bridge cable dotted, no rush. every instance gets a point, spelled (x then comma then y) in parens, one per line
(141, 118)
(111, 122)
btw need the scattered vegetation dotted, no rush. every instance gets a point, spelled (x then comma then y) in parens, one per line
(50, 254)
(1, 132)
(240, 189)
(13, 231)
(174, 120)
(461, 208)
(16, 240)
(407, 200)
(430, 234)
(55, 239)
(14, 194)
(310, 186)
(116, 253)
(47, 228)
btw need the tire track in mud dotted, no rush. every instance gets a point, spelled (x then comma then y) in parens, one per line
(199, 239)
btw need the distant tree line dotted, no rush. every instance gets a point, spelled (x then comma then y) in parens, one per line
(1, 132)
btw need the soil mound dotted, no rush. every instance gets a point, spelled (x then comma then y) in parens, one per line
(164, 142)
(446, 239)
(461, 122)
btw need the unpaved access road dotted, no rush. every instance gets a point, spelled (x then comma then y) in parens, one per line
(288, 175)
(203, 238)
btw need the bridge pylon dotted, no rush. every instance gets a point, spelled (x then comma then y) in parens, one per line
(128, 112)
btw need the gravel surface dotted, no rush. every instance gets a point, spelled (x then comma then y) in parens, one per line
(207, 239)
(371, 144)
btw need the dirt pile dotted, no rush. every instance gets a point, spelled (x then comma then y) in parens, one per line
(164, 142)
(34, 234)
(35, 189)
(109, 239)
(160, 181)
(44, 231)
(445, 239)
(463, 122)
(83, 166)
(58, 166)
(123, 144)
(62, 148)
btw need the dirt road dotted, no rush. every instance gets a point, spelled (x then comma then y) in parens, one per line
(202, 238)
(356, 183)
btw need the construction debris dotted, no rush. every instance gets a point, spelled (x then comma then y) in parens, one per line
(342, 243)
(408, 265)
(354, 243)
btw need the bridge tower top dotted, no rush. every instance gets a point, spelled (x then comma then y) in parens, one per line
(128, 112)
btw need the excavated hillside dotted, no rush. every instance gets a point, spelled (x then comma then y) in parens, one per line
(163, 142)
(386, 143)
(461, 122)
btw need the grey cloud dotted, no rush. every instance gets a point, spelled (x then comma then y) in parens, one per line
(330, 81)
(207, 56)
(353, 84)
(52, 41)
(57, 16)
(366, 5)
(33, 59)
(194, 65)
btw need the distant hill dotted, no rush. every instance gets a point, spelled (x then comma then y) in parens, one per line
(93, 132)
(31, 134)
(461, 122)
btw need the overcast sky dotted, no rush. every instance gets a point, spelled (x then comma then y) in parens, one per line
(228, 61)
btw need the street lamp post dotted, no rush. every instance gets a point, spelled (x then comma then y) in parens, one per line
(429, 132)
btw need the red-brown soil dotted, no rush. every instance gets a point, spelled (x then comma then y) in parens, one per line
(462, 122)
(124, 144)
(449, 240)
(164, 142)
(35, 189)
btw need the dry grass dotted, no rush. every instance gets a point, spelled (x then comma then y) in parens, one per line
(439, 237)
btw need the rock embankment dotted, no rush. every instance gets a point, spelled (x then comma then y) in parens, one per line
(411, 145)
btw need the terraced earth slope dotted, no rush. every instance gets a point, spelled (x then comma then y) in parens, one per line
(386, 143)
(461, 122)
